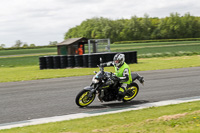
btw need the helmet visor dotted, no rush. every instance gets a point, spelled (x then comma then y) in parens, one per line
(116, 61)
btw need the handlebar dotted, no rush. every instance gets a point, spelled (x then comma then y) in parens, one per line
(113, 77)
(101, 68)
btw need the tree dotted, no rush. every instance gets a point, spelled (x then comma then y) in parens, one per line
(2, 46)
(155, 31)
(146, 27)
(53, 43)
(191, 26)
(18, 44)
(25, 45)
(174, 26)
(32, 45)
(135, 29)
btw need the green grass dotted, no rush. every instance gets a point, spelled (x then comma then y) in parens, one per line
(19, 61)
(191, 48)
(27, 67)
(28, 51)
(156, 49)
(145, 50)
(142, 48)
(155, 44)
(146, 120)
(181, 118)
(34, 60)
(168, 54)
(21, 73)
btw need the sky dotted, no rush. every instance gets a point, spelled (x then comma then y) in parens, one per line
(42, 21)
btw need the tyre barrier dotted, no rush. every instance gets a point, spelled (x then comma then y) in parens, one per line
(63, 61)
(127, 57)
(86, 60)
(56, 62)
(71, 61)
(49, 62)
(93, 60)
(78, 60)
(109, 57)
(133, 57)
(42, 63)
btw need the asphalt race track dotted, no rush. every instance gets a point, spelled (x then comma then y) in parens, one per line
(26, 100)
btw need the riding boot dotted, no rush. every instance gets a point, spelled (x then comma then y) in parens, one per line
(121, 94)
(138, 77)
(141, 79)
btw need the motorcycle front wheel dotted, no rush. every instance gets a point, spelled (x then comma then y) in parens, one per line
(83, 99)
(132, 92)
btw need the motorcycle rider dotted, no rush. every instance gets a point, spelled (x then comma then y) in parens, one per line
(123, 72)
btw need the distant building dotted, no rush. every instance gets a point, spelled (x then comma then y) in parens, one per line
(72, 46)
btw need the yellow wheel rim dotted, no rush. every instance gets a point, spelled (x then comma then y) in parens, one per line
(84, 100)
(134, 91)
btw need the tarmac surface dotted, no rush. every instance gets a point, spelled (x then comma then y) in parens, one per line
(20, 101)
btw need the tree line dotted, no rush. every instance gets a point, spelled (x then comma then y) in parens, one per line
(20, 44)
(138, 28)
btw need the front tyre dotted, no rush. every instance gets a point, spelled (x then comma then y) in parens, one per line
(132, 92)
(83, 99)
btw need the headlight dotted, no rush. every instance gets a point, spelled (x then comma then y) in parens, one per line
(95, 80)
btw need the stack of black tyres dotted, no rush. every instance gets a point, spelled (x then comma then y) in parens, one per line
(42, 62)
(127, 57)
(56, 62)
(99, 55)
(110, 56)
(130, 57)
(93, 60)
(103, 56)
(71, 61)
(49, 62)
(133, 57)
(78, 60)
(63, 61)
(85, 60)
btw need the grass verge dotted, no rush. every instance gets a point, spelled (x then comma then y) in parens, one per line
(33, 72)
(28, 51)
(30, 57)
(182, 118)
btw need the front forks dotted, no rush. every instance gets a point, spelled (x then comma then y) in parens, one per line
(93, 90)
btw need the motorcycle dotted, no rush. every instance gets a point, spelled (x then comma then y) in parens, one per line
(105, 85)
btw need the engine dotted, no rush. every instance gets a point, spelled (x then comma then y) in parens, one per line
(109, 95)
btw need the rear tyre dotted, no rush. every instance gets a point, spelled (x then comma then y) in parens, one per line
(131, 92)
(83, 99)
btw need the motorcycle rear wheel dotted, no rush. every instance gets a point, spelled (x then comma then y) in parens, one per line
(82, 99)
(132, 92)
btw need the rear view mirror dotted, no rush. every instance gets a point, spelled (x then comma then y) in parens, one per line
(95, 72)
(101, 61)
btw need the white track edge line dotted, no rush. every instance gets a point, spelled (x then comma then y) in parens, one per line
(82, 115)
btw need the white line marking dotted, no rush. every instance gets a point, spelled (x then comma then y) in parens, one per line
(82, 115)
